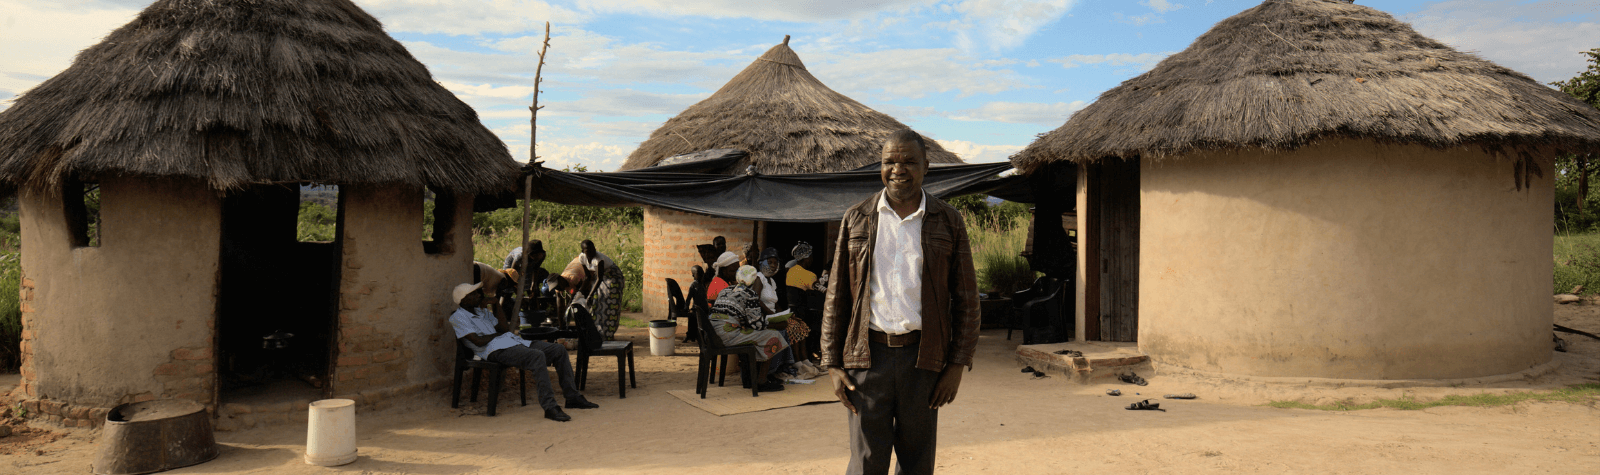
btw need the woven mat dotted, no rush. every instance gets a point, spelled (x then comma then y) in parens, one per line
(732, 399)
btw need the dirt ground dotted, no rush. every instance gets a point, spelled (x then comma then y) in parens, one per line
(1003, 421)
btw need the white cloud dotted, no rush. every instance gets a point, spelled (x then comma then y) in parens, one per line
(1046, 114)
(472, 18)
(1142, 61)
(1002, 24)
(1524, 36)
(910, 74)
(41, 39)
(1162, 6)
(979, 153)
(802, 11)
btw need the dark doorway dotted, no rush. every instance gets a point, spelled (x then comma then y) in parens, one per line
(277, 303)
(783, 237)
(1119, 249)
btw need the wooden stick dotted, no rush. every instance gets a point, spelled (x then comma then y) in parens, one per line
(527, 183)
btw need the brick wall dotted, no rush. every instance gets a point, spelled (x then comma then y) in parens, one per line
(669, 249)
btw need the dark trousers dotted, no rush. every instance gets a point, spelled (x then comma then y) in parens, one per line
(892, 397)
(534, 358)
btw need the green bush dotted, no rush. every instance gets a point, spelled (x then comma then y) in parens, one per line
(317, 222)
(10, 304)
(547, 215)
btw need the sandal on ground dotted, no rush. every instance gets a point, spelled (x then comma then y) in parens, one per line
(1180, 396)
(1145, 405)
(1131, 378)
(1113, 392)
(1070, 353)
(1027, 369)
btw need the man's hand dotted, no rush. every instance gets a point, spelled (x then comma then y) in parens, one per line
(841, 384)
(949, 382)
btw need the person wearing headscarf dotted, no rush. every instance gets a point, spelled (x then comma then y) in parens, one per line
(767, 267)
(739, 319)
(804, 300)
(724, 269)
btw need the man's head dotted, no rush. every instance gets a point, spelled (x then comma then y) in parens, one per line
(533, 253)
(905, 162)
(587, 247)
(720, 243)
(468, 296)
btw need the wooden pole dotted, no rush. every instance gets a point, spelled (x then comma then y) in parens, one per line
(527, 182)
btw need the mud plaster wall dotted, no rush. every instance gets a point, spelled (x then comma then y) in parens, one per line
(669, 250)
(131, 319)
(1346, 260)
(394, 298)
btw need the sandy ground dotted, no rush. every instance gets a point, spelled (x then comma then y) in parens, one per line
(1003, 421)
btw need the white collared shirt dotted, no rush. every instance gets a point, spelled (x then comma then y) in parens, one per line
(481, 322)
(895, 283)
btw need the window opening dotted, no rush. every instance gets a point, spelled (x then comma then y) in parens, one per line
(319, 213)
(438, 221)
(82, 205)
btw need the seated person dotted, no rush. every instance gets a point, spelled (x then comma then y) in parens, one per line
(803, 297)
(488, 336)
(768, 267)
(726, 265)
(739, 319)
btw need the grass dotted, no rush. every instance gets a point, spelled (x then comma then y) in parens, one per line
(995, 253)
(1577, 261)
(1579, 394)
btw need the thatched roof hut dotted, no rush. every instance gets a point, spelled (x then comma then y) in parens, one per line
(1289, 73)
(784, 117)
(1314, 190)
(244, 92)
(192, 129)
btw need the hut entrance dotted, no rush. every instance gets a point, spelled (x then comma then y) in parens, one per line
(1118, 249)
(279, 289)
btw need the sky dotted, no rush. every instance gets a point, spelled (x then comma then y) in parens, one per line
(983, 77)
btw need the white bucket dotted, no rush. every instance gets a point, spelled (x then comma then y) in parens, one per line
(331, 433)
(662, 333)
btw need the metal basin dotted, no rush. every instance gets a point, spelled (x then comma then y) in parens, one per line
(153, 436)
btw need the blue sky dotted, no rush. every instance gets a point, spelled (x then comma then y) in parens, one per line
(983, 77)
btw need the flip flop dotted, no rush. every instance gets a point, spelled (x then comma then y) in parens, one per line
(1131, 378)
(1113, 392)
(1180, 396)
(1145, 405)
(1070, 353)
(1027, 369)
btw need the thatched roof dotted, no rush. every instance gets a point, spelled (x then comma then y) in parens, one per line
(1290, 72)
(236, 92)
(784, 117)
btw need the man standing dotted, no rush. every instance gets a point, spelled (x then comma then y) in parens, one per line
(488, 336)
(900, 320)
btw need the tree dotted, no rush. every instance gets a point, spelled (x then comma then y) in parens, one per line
(1585, 87)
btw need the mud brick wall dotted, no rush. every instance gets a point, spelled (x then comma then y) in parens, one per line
(669, 249)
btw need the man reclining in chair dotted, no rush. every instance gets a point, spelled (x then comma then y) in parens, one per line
(487, 335)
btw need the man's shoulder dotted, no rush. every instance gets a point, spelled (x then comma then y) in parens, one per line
(936, 206)
(868, 205)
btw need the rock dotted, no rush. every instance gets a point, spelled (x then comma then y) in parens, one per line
(5, 430)
(1566, 298)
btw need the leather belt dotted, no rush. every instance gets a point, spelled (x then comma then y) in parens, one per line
(893, 341)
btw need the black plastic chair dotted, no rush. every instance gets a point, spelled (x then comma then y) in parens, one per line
(677, 307)
(591, 343)
(711, 348)
(1034, 305)
(465, 361)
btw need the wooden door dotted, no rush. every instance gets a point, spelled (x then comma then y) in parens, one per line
(1119, 250)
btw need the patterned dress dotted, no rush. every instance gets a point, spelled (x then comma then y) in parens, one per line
(737, 318)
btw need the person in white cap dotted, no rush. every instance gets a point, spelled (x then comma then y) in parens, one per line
(489, 337)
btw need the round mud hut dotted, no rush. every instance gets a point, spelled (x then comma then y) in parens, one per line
(1314, 190)
(160, 178)
(788, 122)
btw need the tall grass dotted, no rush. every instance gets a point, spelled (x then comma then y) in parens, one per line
(620, 240)
(997, 246)
(10, 303)
(1577, 261)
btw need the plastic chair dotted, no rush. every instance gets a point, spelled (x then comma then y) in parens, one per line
(711, 348)
(590, 344)
(1037, 303)
(677, 307)
(465, 361)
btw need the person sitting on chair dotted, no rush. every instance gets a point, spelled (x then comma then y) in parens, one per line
(724, 269)
(487, 335)
(739, 318)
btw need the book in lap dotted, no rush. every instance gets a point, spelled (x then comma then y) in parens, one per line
(779, 317)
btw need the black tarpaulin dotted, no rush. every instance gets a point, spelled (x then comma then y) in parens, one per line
(814, 197)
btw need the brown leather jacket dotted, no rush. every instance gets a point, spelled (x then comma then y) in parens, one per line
(949, 291)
